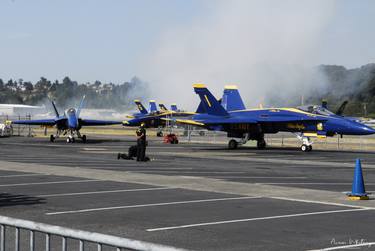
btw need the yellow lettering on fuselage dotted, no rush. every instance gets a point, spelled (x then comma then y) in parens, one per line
(295, 126)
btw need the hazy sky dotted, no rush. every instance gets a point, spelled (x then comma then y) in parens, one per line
(205, 40)
(86, 40)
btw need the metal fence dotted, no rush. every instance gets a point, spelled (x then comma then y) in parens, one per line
(84, 238)
(18, 130)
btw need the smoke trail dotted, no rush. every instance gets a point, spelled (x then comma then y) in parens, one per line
(267, 48)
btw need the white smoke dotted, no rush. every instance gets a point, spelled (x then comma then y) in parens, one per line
(262, 46)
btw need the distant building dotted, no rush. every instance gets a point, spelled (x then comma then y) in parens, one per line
(101, 114)
(20, 110)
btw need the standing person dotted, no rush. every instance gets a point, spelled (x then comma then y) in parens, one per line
(141, 142)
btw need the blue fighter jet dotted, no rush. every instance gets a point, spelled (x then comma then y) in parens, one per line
(231, 100)
(68, 124)
(253, 124)
(154, 117)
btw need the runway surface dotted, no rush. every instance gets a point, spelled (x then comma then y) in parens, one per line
(193, 196)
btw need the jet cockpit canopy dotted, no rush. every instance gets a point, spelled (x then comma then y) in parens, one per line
(316, 109)
(71, 111)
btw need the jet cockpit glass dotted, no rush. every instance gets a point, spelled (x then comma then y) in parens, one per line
(71, 111)
(315, 109)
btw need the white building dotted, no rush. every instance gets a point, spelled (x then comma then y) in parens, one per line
(20, 110)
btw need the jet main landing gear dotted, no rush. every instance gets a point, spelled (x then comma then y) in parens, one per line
(261, 143)
(306, 143)
(232, 144)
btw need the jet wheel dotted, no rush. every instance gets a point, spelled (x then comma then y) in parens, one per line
(84, 138)
(261, 144)
(52, 138)
(70, 140)
(305, 148)
(232, 144)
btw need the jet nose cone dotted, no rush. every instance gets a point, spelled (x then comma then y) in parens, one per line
(369, 130)
(365, 130)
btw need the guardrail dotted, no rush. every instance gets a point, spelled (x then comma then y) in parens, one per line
(83, 237)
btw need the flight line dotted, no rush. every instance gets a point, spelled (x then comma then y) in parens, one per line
(228, 114)
(197, 196)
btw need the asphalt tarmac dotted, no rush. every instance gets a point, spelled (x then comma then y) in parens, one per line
(192, 196)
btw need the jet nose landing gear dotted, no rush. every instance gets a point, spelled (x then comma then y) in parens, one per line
(306, 143)
(306, 148)
(70, 139)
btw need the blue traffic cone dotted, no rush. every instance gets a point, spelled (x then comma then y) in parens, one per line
(358, 186)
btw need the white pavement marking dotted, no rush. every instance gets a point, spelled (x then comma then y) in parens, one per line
(309, 183)
(255, 219)
(77, 161)
(320, 202)
(101, 152)
(257, 177)
(22, 175)
(152, 205)
(49, 182)
(93, 149)
(108, 191)
(177, 171)
(156, 169)
(354, 246)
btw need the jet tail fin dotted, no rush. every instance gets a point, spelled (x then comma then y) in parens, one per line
(81, 105)
(152, 106)
(201, 108)
(55, 109)
(163, 108)
(231, 100)
(174, 107)
(140, 106)
(341, 109)
(324, 104)
(209, 102)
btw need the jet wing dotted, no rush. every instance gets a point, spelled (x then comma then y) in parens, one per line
(92, 122)
(43, 122)
(214, 121)
(185, 121)
(239, 120)
(176, 114)
(287, 119)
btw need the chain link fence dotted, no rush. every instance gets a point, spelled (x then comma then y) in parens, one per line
(15, 130)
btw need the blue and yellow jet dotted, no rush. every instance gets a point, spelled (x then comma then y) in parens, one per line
(68, 124)
(253, 124)
(231, 100)
(154, 118)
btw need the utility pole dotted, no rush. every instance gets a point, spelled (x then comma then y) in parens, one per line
(365, 109)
